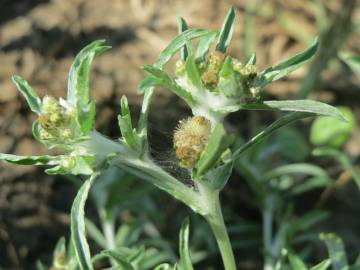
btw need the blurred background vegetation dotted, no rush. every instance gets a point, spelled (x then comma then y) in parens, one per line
(39, 38)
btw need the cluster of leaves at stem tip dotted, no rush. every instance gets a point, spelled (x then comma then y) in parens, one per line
(211, 82)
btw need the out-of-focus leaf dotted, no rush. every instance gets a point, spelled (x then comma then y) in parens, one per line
(185, 260)
(30, 95)
(40, 266)
(283, 68)
(310, 106)
(341, 158)
(331, 131)
(78, 234)
(121, 262)
(353, 61)
(336, 251)
(296, 263)
(93, 231)
(226, 31)
(298, 168)
(322, 266)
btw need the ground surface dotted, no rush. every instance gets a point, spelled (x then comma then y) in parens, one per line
(38, 40)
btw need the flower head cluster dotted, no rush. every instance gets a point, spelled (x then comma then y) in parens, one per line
(57, 122)
(190, 139)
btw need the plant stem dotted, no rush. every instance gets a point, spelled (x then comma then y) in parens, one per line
(216, 221)
(267, 238)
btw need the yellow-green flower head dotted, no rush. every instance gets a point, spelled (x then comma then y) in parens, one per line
(57, 120)
(190, 139)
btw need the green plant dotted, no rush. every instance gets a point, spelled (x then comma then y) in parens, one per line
(213, 85)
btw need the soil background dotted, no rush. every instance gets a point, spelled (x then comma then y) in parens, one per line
(39, 39)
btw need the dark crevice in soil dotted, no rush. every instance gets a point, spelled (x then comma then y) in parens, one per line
(11, 9)
(58, 43)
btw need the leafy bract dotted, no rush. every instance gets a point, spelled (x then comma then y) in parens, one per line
(185, 260)
(226, 31)
(30, 95)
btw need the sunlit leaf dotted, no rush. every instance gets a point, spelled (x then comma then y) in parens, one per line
(226, 31)
(30, 95)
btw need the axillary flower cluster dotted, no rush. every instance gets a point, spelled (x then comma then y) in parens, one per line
(190, 139)
(57, 122)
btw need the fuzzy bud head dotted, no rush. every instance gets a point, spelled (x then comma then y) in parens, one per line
(190, 139)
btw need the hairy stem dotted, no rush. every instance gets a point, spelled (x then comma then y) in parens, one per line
(216, 221)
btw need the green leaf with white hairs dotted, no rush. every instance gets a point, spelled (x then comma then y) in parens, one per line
(185, 260)
(142, 128)
(193, 72)
(228, 84)
(78, 81)
(336, 251)
(32, 160)
(219, 141)
(186, 49)
(322, 266)
(252, 60)
(78, 234)
(296, 263)
(204, 45)
(226, 31)
(30, 95)
(283, 68)
(160, 78)
(309, 106)
(125, 123)
(177, 43)
(353, 61)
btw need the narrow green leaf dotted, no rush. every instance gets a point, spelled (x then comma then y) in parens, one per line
(78, 234)
(142, 128)
(296, 263)
(341, 158)
(177, 43)
(186, 49)
(336, 250)
(125, 123)
(226, 31)
(30, 95)
(185, 260)
(217, 144)
(121, 262)
(298, 168)
(204, 45)
(40, 266)
(93, 231)
(322, 266)
(87, 117)
(310, 106)
(31, 160)
(78, 82)
(283, 121)
(164, 266)
(162, 79)
(283, 68)
(353, 61)
(193, 72)
(252, 60)
(218, 177)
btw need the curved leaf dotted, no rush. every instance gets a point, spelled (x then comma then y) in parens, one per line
(78, 235)
(283, 68)
(185, 260)
(30, 95)
(336, 250)
(177, 43)
(31, 160)
(303, 105)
